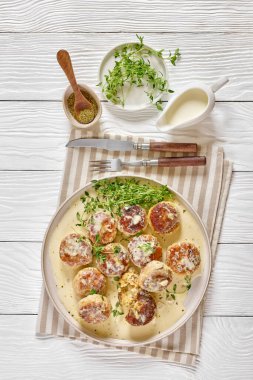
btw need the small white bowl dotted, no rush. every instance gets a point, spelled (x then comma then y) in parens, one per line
(73, 121)
(136, 99)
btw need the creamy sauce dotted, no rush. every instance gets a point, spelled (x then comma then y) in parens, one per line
(186, 107)
(168, 312)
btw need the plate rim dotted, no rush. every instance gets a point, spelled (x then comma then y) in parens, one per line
(124, 342)
(107, 55)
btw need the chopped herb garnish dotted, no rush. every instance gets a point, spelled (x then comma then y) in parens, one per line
(171, 295)
(116, 278)
(133, 68)
(80, 239)
(146, 247)
(100, 257)
(98, 252)
(116, 250)
(93, 291)
(80, 220)
(188, 284)
(116, 312)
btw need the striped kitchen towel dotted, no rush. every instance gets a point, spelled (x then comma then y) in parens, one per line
(206, 188)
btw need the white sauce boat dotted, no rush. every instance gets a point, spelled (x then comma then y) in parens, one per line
(192, 105)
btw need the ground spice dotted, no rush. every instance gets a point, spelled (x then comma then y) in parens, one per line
(87, 115)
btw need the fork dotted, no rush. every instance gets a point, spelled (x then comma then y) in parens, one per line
(117, 165)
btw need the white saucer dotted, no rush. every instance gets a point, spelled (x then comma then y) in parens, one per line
(136, 98)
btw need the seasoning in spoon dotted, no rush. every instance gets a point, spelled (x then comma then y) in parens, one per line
(87, 115)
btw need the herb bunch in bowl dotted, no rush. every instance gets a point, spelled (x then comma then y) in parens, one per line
(133, 69)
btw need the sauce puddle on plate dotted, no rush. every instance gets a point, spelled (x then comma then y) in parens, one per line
(168, 312)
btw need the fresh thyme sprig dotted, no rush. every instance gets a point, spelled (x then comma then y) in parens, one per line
(113, 195)
(80, 220)
(174, 57)
(97, 250)
(133, 68)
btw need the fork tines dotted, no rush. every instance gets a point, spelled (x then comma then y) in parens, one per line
(100, 165)
(101, 161)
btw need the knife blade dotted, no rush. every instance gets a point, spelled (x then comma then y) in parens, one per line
(101, 144)
(123, 146)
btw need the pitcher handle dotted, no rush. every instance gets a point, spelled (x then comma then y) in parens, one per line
(220, 83)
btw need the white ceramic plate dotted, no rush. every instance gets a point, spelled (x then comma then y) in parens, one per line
(136, 98)
(193, 298)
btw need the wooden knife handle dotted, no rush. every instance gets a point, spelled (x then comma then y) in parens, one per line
(172, 162)
(173, 147)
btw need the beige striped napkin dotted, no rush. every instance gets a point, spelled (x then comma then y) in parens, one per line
(206, 188)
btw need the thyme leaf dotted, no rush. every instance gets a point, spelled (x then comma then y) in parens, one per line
(80, 239)
(80, 220)
(116, 250)
(93, 291)
(171, 295)
(188, 284)
(113, 195)
(97, 250)
(133, 69)
(116, 312)
(174, 57)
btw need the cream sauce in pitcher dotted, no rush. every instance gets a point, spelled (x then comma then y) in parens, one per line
(190, 106)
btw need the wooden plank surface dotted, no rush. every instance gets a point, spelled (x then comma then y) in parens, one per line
(215, 38)
(230, 291)
(116, 16)
(226, 343)
(34, 134)
(34, 73)
(28, 201)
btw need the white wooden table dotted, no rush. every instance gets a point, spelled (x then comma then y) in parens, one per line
(215, 38)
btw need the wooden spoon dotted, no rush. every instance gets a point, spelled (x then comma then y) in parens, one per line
(64, 61)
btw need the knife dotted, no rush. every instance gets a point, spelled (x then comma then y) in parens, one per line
(123, 146)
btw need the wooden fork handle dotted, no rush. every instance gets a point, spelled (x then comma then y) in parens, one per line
(64, 61)
(173, 147)
(172, 162)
